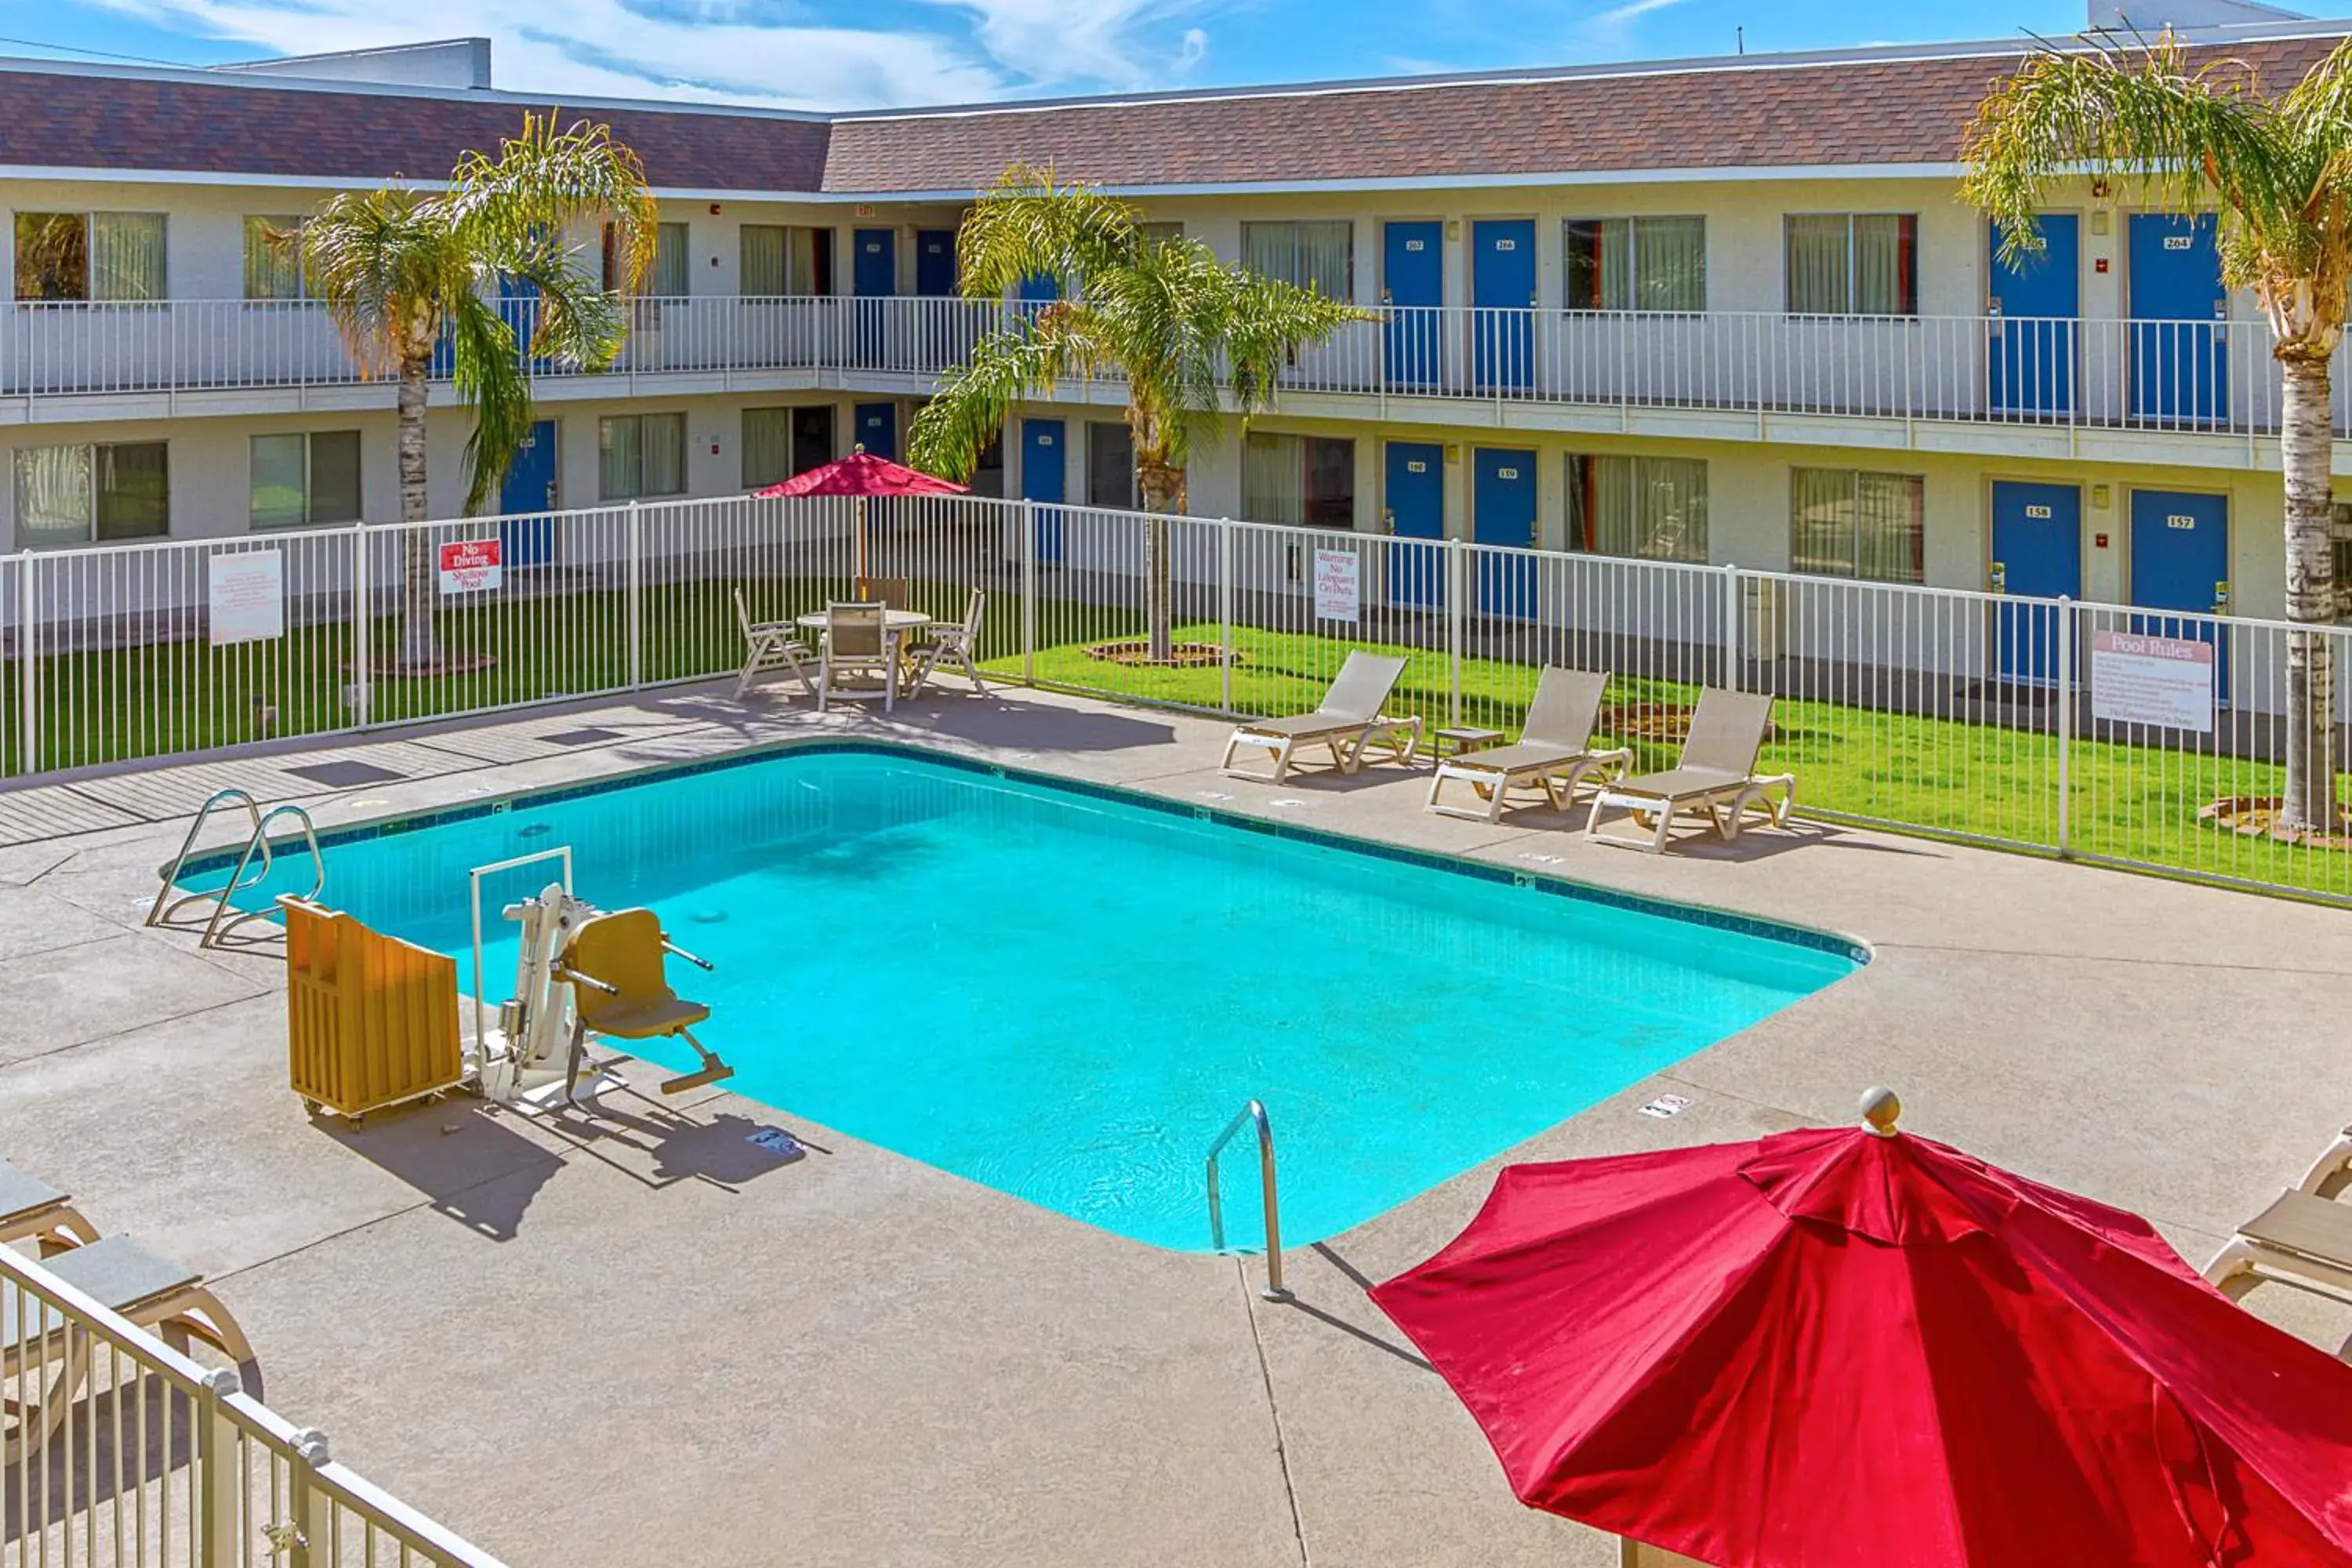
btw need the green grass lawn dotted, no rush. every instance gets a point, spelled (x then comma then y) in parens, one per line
(164, 698)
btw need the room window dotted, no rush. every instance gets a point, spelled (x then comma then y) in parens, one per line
(1159, 231)
(300, 480)
(273, 258)
(1653, 509)
(1300, 479)
(1871, 526)
(89, 255)
(767, 447)
(78, 495)
(640, 455)
(1318, 254)
(1110, 465)
(671, 274)
(1854, 264)
(784, 260)
(1636, 264)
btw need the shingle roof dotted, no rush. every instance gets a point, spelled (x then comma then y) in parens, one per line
(1871, 110)
(145, 122)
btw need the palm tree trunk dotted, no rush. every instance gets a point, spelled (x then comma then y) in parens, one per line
(2306, 452)
(1163, 494)
(418, 647)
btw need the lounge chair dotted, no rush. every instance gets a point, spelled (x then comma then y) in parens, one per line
(1554, 752)
(1717, 776)
(958, 646)
(769, 646)
(2332, 1171)
(858, 641)
(1349, 720)
(2299, 1240)
(33, 1210)
(49, 1363)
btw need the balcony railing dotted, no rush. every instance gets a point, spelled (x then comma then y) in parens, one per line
(2210, 377)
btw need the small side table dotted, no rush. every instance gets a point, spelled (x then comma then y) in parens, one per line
(1467, 738)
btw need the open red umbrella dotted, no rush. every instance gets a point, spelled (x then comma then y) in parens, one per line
(1856, 1346)
(861, 474)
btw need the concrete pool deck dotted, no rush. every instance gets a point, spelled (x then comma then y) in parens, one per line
(641, 1339)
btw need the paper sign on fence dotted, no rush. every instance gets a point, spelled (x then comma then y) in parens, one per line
(470, 566)
(1338, 583)
(245, 595)
(2165, 682)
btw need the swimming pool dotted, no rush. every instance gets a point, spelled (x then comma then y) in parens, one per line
(1064, 992)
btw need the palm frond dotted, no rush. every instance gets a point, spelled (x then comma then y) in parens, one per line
(381, 260)
(487, 369)
(550, 182)
(1029, 225)
(948, 433)
(575, 320)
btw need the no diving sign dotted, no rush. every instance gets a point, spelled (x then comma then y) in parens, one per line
(470, 566)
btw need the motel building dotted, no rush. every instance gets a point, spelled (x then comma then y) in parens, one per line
(1726, 312)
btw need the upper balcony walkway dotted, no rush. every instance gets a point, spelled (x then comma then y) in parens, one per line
(2196, 393)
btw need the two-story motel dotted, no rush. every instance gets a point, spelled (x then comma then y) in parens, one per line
(1725, 311)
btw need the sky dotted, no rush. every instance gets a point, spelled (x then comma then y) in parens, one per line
(863, 54)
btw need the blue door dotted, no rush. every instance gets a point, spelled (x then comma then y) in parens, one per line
(2037, 551)
(1503, 287)
(874, 275)
(1413, 489)
(528, 487)
(2180, 561)
(2037, 298)
(2180, 356)
(1503, 511)
(1412, 285)
(877, 429)
(1045, 476)
(934, 262)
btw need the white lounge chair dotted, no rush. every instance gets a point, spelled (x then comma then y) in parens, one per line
(858, 641)
(2300, 1240)
(1348, 720)
(955, 645)
(1554, 752)
(32, 1210)
(769, 646)
(2332, 1171)
(1717, 776)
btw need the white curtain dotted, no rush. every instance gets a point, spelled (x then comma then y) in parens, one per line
(767, 447)
(1271, 249)
(273, 267)
(1316, 255)
(1673, 502)
(672, 277)
(1670, 254)
(1820, 521)
(664, 459)
(1820, 279)
(1889, 535)
(1885, 258)
(53, 496)
(763, 259)
(126, 255)
(278, 485)
(620, 458)
(1272, 471)
(810, 264)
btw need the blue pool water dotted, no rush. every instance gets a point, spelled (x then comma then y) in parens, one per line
(1064, 994)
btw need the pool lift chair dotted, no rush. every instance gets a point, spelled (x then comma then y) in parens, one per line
(582, 971)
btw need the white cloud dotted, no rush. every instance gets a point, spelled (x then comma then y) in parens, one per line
(998, 48)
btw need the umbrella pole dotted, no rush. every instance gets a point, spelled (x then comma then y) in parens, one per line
(861, 545)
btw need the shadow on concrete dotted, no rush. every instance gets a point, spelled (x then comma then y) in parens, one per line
(103, 1467)
(656, 1145)
(461, 1155)
(1354, 1276)
(1016, 726)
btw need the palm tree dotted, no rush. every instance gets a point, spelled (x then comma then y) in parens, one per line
(1189, 334)
(404, 271)
(2279, 168)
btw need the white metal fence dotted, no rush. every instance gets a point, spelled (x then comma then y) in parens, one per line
(1957, 712)
(121, 1450)
(2214, 377)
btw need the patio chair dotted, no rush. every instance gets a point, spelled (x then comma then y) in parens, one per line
(951, 645)
(32, 1210)
(891, 592)
(1554, 752)
(1715, 777)
(2300, 1240)
(1348, 720)
(49, 1362)
(2332, 1171)
(614, 963)
(769, 646)
(858, 641)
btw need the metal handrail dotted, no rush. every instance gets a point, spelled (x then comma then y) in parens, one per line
(216, 934)
(474, 902)
(157, 914)
(1253, 1111)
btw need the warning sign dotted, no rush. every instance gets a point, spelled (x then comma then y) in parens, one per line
(1339, 585)
(470, 566)
(246, 596)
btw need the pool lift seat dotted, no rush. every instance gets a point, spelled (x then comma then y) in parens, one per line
(614, 962)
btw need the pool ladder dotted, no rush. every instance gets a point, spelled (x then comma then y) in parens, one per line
(1254, 1111)
(225, 919)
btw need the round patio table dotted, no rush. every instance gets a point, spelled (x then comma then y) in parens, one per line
(896, 626)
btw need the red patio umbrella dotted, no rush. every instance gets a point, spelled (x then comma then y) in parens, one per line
(1852, 1346)
(861, 474)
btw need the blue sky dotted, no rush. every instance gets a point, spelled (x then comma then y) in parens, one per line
(865, 53)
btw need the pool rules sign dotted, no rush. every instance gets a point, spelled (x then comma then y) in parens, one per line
(470, 566)
(1339, 585)
(2167, 682)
